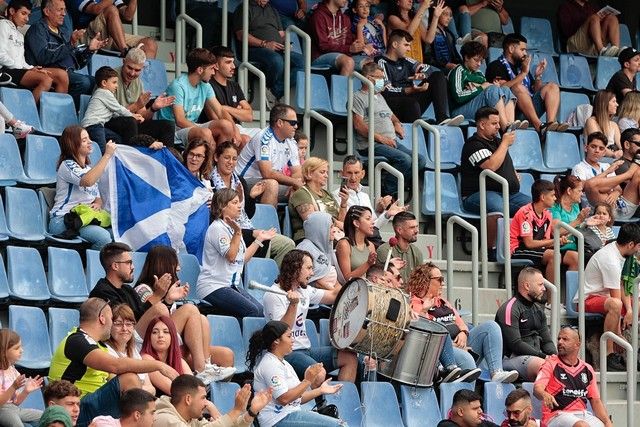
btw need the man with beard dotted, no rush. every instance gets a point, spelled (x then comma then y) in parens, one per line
(82, 359)
(518, 410)
(564, 385)
(525, 335)
(512, 70)
(466, 411)
(405, 226)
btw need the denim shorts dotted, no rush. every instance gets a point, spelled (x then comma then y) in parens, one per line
(303, 358)
(103, 401)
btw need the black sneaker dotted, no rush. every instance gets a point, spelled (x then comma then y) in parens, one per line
(469, 375)
(616, 363)
(450, 375)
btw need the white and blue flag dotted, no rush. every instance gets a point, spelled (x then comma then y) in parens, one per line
(154, 200)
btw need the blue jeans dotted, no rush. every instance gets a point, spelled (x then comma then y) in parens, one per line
(103, 401)
(463, 21)
(399, 158)
(303, 418)
(486, 341)
(300, 360)
(447, 356)
(101, 135)
(94, 234)
(487, 98)
(272, 63)
(494, 202)
(236, 302)
(331, 59)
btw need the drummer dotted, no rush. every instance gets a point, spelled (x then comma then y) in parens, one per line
(485, 340)
(296, 270)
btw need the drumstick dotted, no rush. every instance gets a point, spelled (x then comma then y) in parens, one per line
(255, 285)
(392, 243)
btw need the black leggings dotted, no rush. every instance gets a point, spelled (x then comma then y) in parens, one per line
(409, 108)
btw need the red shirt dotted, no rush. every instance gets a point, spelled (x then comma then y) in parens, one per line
(526, 222)
(571, 386)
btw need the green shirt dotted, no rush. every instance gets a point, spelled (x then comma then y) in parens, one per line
(412, 257)
(323, 203)
(127, 95)
(567, 217)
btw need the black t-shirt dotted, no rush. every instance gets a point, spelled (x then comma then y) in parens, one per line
(230, 95)
(475, 152)
(449, 423)
(618, 82)
(125, 295)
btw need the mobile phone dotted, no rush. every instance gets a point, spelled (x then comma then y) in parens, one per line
(511, 128)
(150, 103)
(344, 182)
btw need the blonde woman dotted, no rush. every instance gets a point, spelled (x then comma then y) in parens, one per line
(604, 108)
(629, 113)
(314, 197)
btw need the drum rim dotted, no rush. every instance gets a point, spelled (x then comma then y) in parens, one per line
(333, 308)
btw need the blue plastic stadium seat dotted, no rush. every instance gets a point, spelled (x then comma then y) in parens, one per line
(324, 332)
(500, 249)
(249, 326)
(320, 99)
(407, 142)
(98, 61)
(568, 103)
(154, 77)
(447, 390)
(339, 93)
(494, 53)
(494, 395)
(419, 406)
(34, 400)
(10, 161)
(380, 405)
(535, 402)
(225, 331)
(66, 276)
(538, 33)
(625, 35)
(31, 325)
(94, 271)
(57, 111)
(138, 261)
(23, 227)
(61, 321)
(95, 154)
(312, 333)
(84, 103)
(574, 72)
(286, 223)
(262, 270)
(527, 153)
(45, 201)
(526, 179)
(571, 290)
(348, 403)
(561, 150)
(550, 74)
(223, 395)
(451, 203)
(40, 159)
(606, 67)
(27, 279)
(451, 142)
(265, 217)
(22, 105)
(4, 283)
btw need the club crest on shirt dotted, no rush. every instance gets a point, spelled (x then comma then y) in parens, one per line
(224, 241)
(583, 377)
(276, 381)
(526, 228)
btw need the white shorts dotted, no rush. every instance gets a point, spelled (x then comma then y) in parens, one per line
(568, 419)
(625, 210)
(182, 135)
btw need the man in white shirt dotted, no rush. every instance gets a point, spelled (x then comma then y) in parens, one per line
(269, 152)
(297, 268)
(602, 290)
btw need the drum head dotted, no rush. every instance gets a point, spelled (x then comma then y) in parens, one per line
(349, 313)
(426, 325)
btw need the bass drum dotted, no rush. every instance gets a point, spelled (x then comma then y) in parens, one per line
(369, 318)
(418, 360)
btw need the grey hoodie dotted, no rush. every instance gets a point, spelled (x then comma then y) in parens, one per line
(317, 243)
(167, 416)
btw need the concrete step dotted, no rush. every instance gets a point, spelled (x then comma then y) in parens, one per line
(617, 409)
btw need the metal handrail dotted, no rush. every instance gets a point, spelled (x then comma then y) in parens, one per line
(631, 370)
(370, 116)
(555, 314)
(393, 171)
(557, 263)
(328, 139)
(134, 23)
(225, 21)
(262, 90)
(474, 263)
(163, 20)
(483, 227)
(415, 178)
(181, 36)
(306, 39)
(243, 78)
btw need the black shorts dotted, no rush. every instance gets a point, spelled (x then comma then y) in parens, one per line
(16, 74)
(534, 255)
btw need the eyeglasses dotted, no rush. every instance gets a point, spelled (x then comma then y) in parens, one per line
(516, 413)
(127, 324)
(440, 279)
(293, 123)
(129, 261)
(633, 141)
(196, 156)
(103, 307)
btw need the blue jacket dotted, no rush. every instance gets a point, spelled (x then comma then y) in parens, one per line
(45, 48)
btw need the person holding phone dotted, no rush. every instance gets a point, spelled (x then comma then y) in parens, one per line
(225, 254)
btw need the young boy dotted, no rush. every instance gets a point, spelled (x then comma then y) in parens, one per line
(105, 119)
(531, 230)
(12, 59)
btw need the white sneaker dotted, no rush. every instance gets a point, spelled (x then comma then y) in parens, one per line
(504, 376)
(21, 129)
(456, 120)
(204, 377)
(218, 373)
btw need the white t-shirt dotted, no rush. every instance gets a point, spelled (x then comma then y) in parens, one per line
(280, 376)
(136, 355)
(265, 146)
(275, 306)
(603, 271)
(585, 171)
(69, 194)
(216, 271)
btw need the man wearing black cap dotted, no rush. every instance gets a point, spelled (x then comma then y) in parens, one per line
(625, 80)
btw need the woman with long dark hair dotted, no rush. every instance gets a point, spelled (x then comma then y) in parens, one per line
(77, 184)
(266, 358)
(355, 253)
